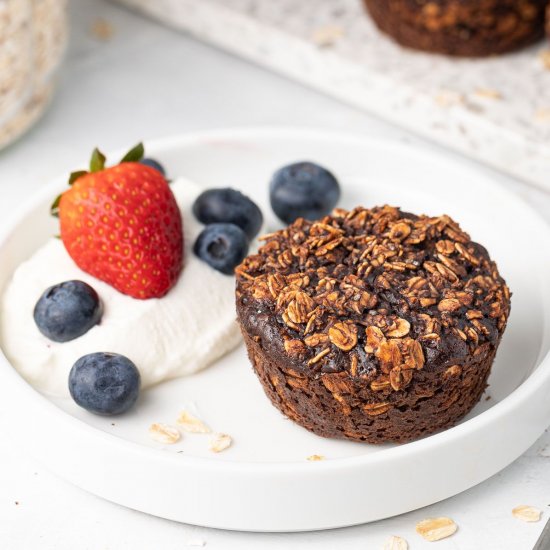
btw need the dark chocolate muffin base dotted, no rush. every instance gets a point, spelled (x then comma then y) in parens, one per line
(474, 28)
(372, 324)
(336, 406)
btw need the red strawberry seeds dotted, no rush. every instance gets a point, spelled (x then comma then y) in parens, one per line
(123, 225)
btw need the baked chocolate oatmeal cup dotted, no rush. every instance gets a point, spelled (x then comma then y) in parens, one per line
(372, 325)
(471, 28)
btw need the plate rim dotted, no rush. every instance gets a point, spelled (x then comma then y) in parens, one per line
(518, 396)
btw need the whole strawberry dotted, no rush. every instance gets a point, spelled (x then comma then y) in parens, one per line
(122, 225)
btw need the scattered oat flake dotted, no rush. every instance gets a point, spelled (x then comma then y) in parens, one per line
(327, 35)
(220, 442)
(447, 98)
(488, 93)
(197, 543)
(395, 543)
(527, 513)
(163, 433)
(543, 114)
(433, 529)
(315, 458)
(192, 424)
(545, 59)
(102, 29)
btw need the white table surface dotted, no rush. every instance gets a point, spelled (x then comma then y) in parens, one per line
(148, 82)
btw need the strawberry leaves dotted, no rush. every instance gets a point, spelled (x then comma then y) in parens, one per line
(75, 175)
(135, 154)
(97, 164)
(54, 208)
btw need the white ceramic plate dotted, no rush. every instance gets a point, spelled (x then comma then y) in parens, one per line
(264, 482)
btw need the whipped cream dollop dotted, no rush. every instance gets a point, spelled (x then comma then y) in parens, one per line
(179, 334)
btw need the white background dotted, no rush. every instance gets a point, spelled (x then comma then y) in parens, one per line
(147, 82)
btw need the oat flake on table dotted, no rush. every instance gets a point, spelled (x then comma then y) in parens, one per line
(527, 513)
(102, 29)
(433, 529)
(327, 35)
(396, 543)
(488, 93)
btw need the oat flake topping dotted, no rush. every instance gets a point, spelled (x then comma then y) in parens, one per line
(374, 293)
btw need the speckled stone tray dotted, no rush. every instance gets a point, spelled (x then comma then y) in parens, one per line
(496, 110)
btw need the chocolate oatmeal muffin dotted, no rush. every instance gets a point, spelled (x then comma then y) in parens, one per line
(461, 27)
(372, 325)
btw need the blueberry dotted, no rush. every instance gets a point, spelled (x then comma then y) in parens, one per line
(303, 190)
(228, 206)
(104, 383)
(222, 246)
(153, 164)
(67, 310)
